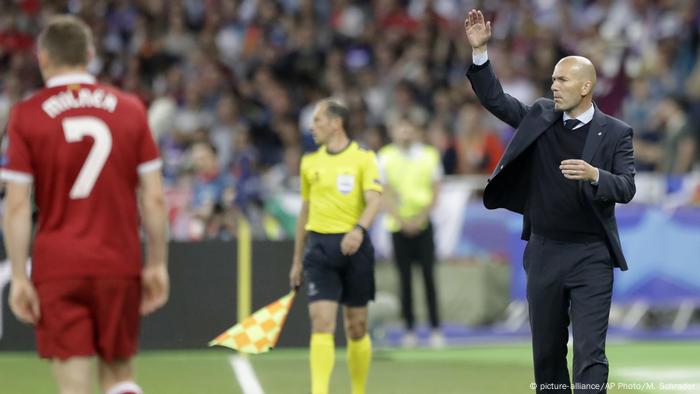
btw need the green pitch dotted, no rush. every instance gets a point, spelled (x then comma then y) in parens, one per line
(668, 367)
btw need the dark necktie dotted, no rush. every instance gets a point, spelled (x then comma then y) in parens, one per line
(571, 123)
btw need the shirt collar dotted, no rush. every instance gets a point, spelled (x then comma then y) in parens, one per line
(415, 149)
(585, 117)
(411, 147)
(68, 79)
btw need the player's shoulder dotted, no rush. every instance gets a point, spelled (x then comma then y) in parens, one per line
(33, 100)
(362, 151)
(29, 109)
(311, 155)
(124, 98)
(433, 154)
(309, 158)
(366, 158)
(55, 100)
(429, 149)
(387, 150)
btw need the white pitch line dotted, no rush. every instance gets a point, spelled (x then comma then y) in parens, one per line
(245, 374)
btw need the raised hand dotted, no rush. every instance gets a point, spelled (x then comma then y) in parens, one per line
(478, 32)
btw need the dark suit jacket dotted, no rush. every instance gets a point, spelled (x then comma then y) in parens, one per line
(608, 147)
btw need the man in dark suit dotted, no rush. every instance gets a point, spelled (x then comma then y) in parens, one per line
(565, 168)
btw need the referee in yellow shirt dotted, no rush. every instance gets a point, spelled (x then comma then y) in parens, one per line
(341, 195)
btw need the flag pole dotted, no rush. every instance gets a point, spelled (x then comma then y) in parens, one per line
(244, 268)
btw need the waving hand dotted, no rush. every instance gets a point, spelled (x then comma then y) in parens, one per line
(478, 32)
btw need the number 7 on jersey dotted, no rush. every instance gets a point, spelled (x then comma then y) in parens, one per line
(75, 129)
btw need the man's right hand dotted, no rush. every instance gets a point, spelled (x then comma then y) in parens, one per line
(478, 32)
(295, 275)
(24, 301)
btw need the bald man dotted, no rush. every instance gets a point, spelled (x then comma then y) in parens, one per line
(565, 168)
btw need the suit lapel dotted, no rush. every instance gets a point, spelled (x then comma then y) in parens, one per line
(595, 136)
(539, 126)
(528, 131)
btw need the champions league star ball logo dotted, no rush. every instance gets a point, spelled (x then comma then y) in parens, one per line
(312, 289)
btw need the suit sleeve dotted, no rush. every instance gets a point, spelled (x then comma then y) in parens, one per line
(618, 185)
(491, 95)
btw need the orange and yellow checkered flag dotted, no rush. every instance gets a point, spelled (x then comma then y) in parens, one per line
(259, 332)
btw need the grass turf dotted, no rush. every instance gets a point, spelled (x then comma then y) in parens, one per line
(480, 369)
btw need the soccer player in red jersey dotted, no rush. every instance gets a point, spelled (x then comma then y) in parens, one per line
(86, 150)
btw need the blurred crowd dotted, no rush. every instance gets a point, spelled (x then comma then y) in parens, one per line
(230, 84)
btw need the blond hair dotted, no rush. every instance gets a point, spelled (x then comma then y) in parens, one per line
(67, 40)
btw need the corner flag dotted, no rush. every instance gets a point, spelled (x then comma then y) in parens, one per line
(259, 332)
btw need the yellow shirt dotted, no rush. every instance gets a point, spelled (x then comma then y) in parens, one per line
(334, 186)
(411, 174)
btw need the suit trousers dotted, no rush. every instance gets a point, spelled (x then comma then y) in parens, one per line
(567, 283)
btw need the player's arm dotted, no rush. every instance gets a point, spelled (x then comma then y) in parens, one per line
(300, 231)
(351, 241)
(18, 233)
(156, 285)
(390, 198)
(299, 241)
(373, 200)
(487, 87)
(390, 202)
(436, 195)
(372, 188)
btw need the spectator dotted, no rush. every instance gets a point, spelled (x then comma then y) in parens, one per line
(226, 127)
(478, 147)
(441, 138)
(274, 59)
(677, 149)
(193, 117)
(212, 194)
(405, 105)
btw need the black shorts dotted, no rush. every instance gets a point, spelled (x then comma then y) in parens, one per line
(329, 275)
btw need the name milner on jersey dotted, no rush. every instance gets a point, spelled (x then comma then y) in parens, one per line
(68, 99)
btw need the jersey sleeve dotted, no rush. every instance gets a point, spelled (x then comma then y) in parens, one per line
(370, 173)
(303, 179)
(149, 157)
(18, 160)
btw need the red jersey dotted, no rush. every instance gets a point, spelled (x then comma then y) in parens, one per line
(83, 146)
